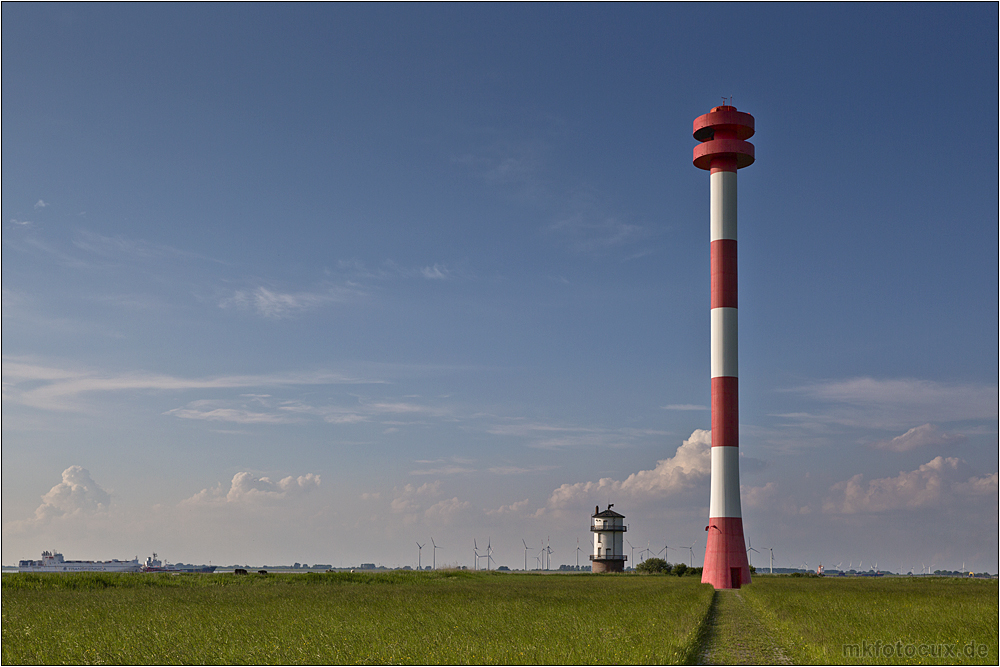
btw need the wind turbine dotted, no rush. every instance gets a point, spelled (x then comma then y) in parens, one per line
(632, 558)
(771, 549)
(475, 550)
(548, 554)
(489, 553)
(578, 550)
(434, 560)
(420, 548)
(750, 550)
(691, 549)
(525, 554)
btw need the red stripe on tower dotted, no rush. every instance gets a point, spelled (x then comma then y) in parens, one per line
(723, 149)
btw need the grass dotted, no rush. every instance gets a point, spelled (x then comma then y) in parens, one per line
(344, 618)
(460, 617)
(816, 618)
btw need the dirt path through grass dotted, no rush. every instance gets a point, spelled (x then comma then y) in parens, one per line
(736, 636)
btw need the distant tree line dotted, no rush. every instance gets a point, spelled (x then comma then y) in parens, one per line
(660, 566)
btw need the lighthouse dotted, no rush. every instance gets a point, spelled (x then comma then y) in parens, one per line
(609, 529)
(723, 149)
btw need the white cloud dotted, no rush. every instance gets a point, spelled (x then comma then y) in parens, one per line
(898, 403)
(249, 488)
(41, 203)
(514, 508)
(21, 223)
(519, 470)
(690, 465)
(446, 509)
(978, 486)
(758, 496)
(436, 272)
(196, 410)
(53, 388)
(932, 485)
(77, 494)
(276, 305)
(408, 499)
(444, 470)
(547, 436)
(917, 437)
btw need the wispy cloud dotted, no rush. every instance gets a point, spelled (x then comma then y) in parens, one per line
(900, 403)
(450, 466)
(133, 249)
(550, 436)
(202, 410)
(520, 470)
(277, 305)
(41, 203)
(54, 388)
(436, 272)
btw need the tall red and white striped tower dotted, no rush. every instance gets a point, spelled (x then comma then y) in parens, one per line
(723, 149)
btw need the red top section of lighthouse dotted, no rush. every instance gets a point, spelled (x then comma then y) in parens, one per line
(723, 132)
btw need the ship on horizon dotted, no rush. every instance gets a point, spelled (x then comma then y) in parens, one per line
(53, 561)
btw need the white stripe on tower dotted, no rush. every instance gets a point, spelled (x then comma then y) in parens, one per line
(725, 496)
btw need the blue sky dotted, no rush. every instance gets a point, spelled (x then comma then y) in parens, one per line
(316, 282)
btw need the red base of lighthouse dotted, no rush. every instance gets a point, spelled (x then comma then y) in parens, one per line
(726, 563)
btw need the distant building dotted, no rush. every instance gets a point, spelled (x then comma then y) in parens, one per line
(608, 528)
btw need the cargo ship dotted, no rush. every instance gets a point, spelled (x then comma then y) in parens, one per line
(54, 562)
(154, 564)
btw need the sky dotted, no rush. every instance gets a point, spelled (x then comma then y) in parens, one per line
(317, 283)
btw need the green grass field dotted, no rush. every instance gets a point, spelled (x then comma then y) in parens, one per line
(853, 620)
(408, 618)
(454, 617)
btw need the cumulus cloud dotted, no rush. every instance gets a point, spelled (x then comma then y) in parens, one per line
(76, 494)
(933, 484)
(411, 501)
(249, 488)
(690, 465)
(446, 509)
(917, 437)
(758, 496)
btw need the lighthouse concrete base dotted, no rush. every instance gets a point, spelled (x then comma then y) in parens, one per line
(726, 563)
